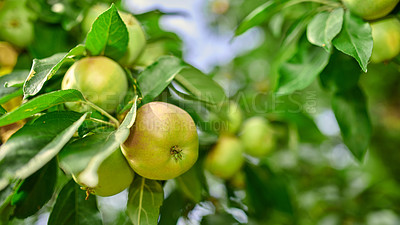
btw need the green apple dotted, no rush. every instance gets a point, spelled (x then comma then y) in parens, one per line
(228, 119)
(386, 38)
(225, 159)
(163, 142)
(371, 9)
(114, 174)
(257, 137)
(16, 26)
(101, 80)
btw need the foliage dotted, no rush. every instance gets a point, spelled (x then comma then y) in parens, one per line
(329, 117)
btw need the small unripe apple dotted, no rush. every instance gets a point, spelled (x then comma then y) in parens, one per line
(151, 53)
(16, 26)
(257, 137)
(371, 9)
(225, 159)
(228, 120)
(101, 80)
(163, 142)
(386, 38)
(114, 176)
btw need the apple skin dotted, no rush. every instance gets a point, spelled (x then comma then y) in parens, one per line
(100, 79)
(114, 173)
(370, 9)
(163, 142)
(257, 137)
(16, 26)
(229, 120)
(137, 37)
(386, 37)
(225, 159)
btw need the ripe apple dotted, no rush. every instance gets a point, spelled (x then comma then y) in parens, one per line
(163, 142)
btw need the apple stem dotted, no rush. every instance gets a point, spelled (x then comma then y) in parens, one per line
(176, 152)
(102, 111)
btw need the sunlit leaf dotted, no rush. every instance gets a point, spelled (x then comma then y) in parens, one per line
(108, 36)
(34, 145)
(43, 69)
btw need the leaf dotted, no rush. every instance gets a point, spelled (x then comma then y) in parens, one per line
(260, 183)
(340, 78)
(355, 39)
(2, 111)
(156, 77)
(34, 145)
(71, 208)
(257, 16)
(302, 69)
(86, 155)
(39, 104)
(324, 27)
(10, 85)
(108, 36)
(144, 201)
(43, 69)
(200, 86)
(189, 184)
(351, 113)
(35, 191)
(172, 208)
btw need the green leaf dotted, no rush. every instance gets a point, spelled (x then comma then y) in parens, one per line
(2, 111)
(340, 78)
(144, 201)
(200, 86)
(156, 77)
(34, 145)
(108, 36)
(43, 69)
(172, 208)
(35, 191)
(324, 27)
(84, 156)
(355, 39)
(189, 184)
(71, 208)
(352, 115)
(39, 104)
(10, 85)
(301, 70)
(257, 16)
(260, 183)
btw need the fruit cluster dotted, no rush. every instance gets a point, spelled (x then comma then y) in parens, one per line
(163, 141)
(254, 138)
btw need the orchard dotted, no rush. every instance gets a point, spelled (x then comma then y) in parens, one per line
(203, 112)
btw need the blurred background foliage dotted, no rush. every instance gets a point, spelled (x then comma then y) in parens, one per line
(310, 177)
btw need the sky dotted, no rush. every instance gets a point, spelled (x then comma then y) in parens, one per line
(203, 47)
